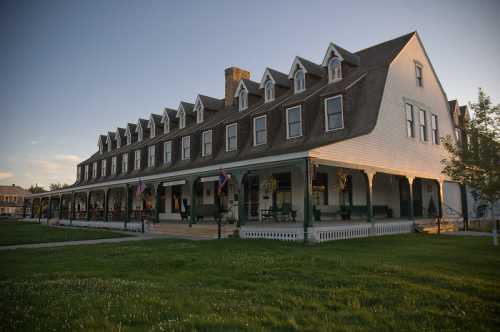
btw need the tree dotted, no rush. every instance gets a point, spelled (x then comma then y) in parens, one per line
(57, 186)
(475, 162)
(35, 189)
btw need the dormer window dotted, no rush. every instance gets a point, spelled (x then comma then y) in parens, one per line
(334, 70)
(199, 113)
(182, 119)
(243, 100)
(109, 142)
(129, 137)
(269, 91)
(299, 81)
(166, 126)
(139, 132)
(152, 127)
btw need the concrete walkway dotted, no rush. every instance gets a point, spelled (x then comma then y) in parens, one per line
(141, 237)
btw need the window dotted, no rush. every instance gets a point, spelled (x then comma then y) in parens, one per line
(334, 70)
(113, 165)
(334, 118)
(294, 122)
(140, 132)
(125, 163)
(206, 139)
(434, 129)
(167, 152)
(243, 100)
(151, 156)
(269, 91)
(103, 167)
(231, 137)
(79, 173)
(419, 75)
(129, 137)
(182, 119)
(186, 148)
(410, 121)
(166, 125)
(109, 142)
(299, 81)
(118, 140)
(152, 126)
(86, 172)
(94, 169)
(259, 130)
(199, 113)
(458, 134)
(423, 125)
(137, 159)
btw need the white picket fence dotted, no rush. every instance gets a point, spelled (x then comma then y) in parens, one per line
(131, 226)
(283, 234)
(327, 233)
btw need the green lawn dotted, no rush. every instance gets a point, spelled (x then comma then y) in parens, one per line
(18, 232)
(395, 283)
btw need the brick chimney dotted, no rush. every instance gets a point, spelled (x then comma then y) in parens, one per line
(233, 76)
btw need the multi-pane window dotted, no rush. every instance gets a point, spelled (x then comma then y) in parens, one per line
(137, 159)
(206, 140)
(182, 119)
(419, 75)
(151, 155)
(423, 125)
(86, 172)
(129, 137)
(294, 122)
(434, 129)
(78, 173)
(113, 165)
(109, 142)
(104, 167)
(186, 148)
(260, 130)
(231, 137)
(410, 120)
(334, 117)
(243, 99)
(299, 81)
(334, 70)
(269, 91)
(167, 152)
(125, 163)
(199, 113)
(94, 169)
(140, 132)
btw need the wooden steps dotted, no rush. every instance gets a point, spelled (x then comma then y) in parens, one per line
(196, 231)
(432, 227)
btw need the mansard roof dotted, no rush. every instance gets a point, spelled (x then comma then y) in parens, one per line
(277, 77)
(342, 53)
(170, 113)
(251, 87)
(310, 68)
(210, 103)
(156, 118)
(362, 90)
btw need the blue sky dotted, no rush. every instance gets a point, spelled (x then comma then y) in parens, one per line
(71, 70)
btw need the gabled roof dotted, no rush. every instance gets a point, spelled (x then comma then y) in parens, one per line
(143, 123)
(131, 128)
(187, 107)
(170, 113)
(277, 77)
(120, 131)
(343, 54)
(110, 137)
(102, 139)
(309, 67)
(210, 103)
(156, 118)
(251, 87)
(382, 54)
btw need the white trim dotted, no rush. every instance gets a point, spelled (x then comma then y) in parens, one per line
(173, 183)
(152, 126)
(241, 85)
(327, 129)
(203, 152)
(210, 178)
(296, 62)
(169, 143)
(272, 93)
(326, 59)
(263, 81)
(254, 132)
(227, 137)
(287, 126)
(331, 78)
(182, 147)
(182, 121)
(199, 107)
(295, 81)
(199, 170)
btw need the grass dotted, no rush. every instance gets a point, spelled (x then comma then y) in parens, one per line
(17, 232)
(396, 283)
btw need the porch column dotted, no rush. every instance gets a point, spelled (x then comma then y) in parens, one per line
(106, 204)
(308, 204)
(193, 181)
(88, 205)
(156, 217)
(72, 203)
(238, 177)
(24, 208)
(60, 206)
(127, 204)
(411, 215)
(49, 213)
(369, 174)
(32, 214)
(441, 201)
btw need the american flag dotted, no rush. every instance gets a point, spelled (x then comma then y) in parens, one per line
(140, 188)
(223, 178)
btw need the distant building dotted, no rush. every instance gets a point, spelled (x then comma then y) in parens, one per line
(12, 200)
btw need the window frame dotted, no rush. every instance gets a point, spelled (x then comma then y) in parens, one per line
(255, 130)
(325, 103)
(152, 155)
(104, 167)
(331, 72)
(87, 172)
(434, 131)
(410, 122)
(419, 75)
(243, 100)
(125, 167)
(269, 86)
(235, 136)
(137, 160)
(114, 163)
(165, 159)
(182, 119)
(288, 122)
(183, 147)
(422, 127)
(295, 81)
(94, 170)
(204, 152)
